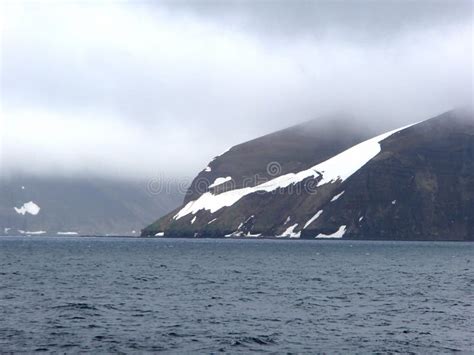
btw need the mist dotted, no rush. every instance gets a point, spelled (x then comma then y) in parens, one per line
(133, 91)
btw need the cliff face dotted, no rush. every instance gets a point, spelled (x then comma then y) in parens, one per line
(415, 183)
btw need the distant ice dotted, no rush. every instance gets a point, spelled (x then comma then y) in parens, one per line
(312, 219)
(28, 207)
(338, 234)
(67, 233)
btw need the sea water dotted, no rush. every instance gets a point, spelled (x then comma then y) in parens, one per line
(70, 294)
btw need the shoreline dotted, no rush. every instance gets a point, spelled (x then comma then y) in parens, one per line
(233, 238)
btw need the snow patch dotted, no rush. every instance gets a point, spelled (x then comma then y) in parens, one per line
(193, 220)
(6, 230)
(217, 156)
(250, 235)
(338, 234)
(394, 202)
(338, 168)
(290, 232)
(208, 169)
(337, 196)
(241, 234)
(160, 234)
(32, 233)
(287, 220)
(28, 207)
(67, 233)
(212, 221)
(234, 234)
(220, 181)
(225, 151)
(361, 218)
(312, 219)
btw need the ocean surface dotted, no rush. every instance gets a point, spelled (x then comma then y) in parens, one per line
(69, 294)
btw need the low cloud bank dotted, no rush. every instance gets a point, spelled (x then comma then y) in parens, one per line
(123, 90)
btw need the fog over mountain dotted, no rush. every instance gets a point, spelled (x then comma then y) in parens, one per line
(134, 90)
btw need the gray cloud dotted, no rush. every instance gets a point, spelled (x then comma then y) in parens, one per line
(135, 89)
(356, 19)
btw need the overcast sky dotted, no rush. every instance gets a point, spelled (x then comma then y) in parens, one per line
(136, 89)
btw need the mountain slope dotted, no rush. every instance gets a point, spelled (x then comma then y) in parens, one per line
(289, 150)
(78, 205)
(412, 183)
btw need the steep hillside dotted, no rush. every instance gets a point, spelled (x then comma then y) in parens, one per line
(414, 183)
(286, 151)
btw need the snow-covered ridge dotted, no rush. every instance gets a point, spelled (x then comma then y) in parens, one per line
(338, 168)
(28, 207)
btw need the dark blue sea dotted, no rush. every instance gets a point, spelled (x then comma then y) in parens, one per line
(127, 295)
